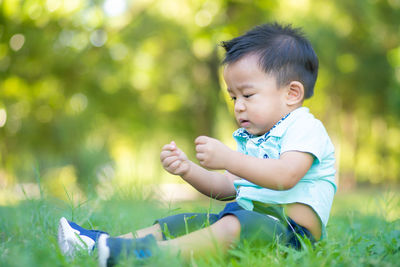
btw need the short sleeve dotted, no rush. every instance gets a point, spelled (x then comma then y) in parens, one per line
(307, 136)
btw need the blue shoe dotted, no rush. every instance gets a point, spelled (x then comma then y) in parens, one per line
(111, 249)
(72, 237)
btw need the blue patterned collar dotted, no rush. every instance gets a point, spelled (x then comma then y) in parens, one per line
(241, 132)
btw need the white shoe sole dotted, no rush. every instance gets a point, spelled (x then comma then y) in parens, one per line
(103, 250)
(69, 240)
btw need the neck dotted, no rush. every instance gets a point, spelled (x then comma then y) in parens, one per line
(290, 108)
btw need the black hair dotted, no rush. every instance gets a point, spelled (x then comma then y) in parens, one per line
(283, 51)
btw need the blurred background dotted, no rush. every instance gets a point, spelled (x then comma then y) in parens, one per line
(90, 90)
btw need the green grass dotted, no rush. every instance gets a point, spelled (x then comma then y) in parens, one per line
(364, 230)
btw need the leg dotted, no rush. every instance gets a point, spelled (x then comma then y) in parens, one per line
(176, 225)
(72, 237)
(220, 235)
(154, 230)
(184, 223)
(231, 224)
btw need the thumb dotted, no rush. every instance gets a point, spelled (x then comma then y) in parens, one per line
(173, 144)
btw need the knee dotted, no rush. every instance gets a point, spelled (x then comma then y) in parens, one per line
(230, 225)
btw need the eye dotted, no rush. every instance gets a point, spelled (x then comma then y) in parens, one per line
(247, 96)
(233, 98)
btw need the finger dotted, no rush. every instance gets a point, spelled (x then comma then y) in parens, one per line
(175, 165)
(166, 153)
(201, 139)
(200, 148)
(168, 147)
(168, 161)
(173, 145)
(181, 155)
(200, 156)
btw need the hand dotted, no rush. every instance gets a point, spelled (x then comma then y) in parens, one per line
(174, 160)
(212, 153)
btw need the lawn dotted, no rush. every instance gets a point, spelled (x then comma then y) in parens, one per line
(364, 230)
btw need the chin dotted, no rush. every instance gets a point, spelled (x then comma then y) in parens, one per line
(257, 132)
(253, 132)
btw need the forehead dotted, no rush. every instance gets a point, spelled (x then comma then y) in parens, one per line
(247, 59)
(246, 71)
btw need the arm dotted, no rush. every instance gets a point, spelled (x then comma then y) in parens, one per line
(213, 184)
(277, 174)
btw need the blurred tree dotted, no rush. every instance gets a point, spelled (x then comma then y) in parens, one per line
(94, 84)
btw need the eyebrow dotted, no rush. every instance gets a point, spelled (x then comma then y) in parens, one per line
(241, 87)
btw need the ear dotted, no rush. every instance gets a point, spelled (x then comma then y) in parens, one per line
(295, 93)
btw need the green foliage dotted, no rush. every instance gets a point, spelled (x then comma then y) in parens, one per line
(89, 90)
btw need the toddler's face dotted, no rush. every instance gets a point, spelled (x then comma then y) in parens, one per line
(259, 103)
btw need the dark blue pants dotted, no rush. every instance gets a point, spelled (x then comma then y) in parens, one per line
(263, 225)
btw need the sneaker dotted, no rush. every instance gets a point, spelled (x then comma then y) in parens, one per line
(72, 237)
(111, 249)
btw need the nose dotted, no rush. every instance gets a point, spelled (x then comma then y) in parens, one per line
(239, 106)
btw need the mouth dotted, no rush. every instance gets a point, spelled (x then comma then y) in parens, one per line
(244, 123)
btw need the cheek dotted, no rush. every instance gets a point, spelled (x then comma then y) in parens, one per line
(261, 108)
(262, 113)
(259, 114)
